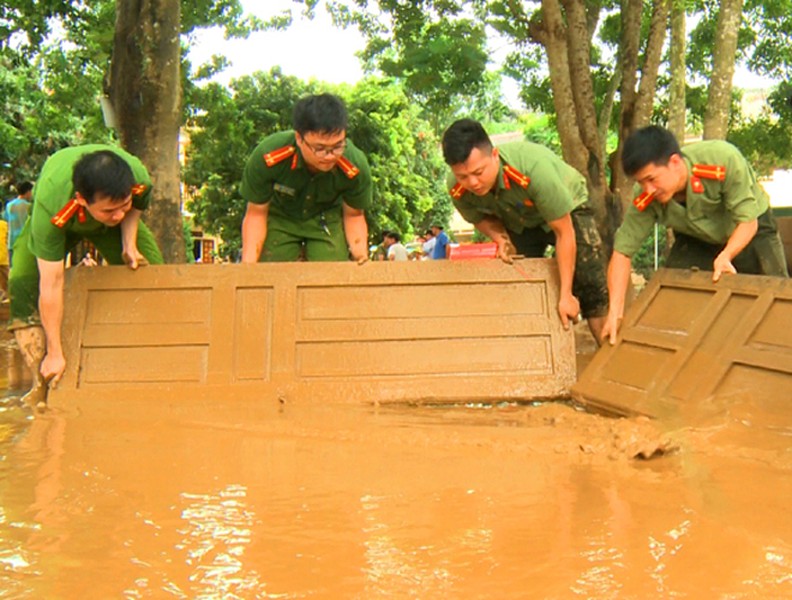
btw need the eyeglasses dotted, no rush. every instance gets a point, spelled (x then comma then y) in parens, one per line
(322, 151)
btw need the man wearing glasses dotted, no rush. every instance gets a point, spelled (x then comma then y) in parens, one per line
(307, 190)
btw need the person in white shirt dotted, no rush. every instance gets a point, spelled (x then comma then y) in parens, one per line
(396, 250)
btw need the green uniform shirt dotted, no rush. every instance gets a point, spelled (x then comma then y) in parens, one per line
(53, 190)
(555, 189)
(709, 215)
(295, 192)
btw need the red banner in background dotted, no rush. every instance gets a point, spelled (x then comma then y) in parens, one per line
(465, 251)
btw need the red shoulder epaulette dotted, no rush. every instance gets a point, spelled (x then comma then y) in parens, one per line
(350, 170)
(276, 156)
(717, 172)
(642, 201)
(512, 174)
(138, 189)
(457, 191)
(67, 212)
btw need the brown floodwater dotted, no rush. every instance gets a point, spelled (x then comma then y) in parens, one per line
(251, 500)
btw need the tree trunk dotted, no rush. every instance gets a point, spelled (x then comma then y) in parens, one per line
(676, 101)
(565, 34)
(716, 117)
(145, 90)
(553, 38)
(579, 52)
(637, 103)
(606, 113)
(658, 28)
(574, 104)
(630, 49)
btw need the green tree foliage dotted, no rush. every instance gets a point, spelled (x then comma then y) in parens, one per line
(47, 92)
(766, 140)
(538, 129)
(435, 49)
(409, 175)
(24, 24)
(488, 105)
(436, 69)
(35, 120)
(409, 191)
(54, 61)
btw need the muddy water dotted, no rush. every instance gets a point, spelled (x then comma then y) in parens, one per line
(248, 500)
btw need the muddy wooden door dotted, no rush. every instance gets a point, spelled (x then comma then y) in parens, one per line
(688, 340)
(416, 331)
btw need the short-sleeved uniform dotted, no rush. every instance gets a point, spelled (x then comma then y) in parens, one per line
(534, 187)
(722, 191)
(305, 208)
(57, 224)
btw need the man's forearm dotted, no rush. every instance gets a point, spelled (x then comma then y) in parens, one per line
(356, 232)
(494, 229)
(740, 238)
(254, 231)
(618, 280)
(252, 242)
(129, 228)
(566, 251)
(51, 309)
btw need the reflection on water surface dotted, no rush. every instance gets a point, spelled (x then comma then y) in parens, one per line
(247, 500)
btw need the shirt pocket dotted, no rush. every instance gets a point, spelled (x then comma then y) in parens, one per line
(705, 208)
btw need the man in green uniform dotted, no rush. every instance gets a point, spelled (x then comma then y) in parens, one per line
(708, 195)
(307, 190)
(96, 193)
(524, 198)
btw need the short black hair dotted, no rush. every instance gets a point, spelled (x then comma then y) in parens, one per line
(652, 144)
(394, 236)
(438, 226)
(23, 187)
(102, 172)
(460, 139)
(323, 113)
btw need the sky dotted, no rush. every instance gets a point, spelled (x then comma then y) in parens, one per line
(308, 49)
(317, 49)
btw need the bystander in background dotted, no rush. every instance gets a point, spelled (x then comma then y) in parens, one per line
(16, 213)
(428, 244)
(396, 250)
(441, 247)
(4, 262)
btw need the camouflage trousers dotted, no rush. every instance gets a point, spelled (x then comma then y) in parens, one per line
(590, 284)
